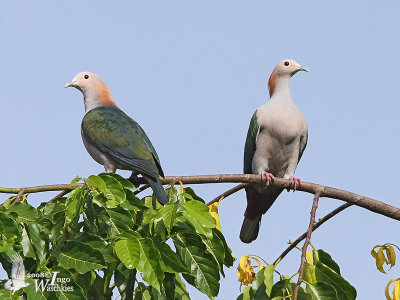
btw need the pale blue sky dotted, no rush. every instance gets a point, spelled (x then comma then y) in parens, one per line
(192, 75)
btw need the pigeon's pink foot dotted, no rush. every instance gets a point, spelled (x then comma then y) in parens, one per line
(268, 177)
(295, 182)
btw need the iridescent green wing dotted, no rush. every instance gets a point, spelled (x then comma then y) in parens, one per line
(250, 145)
(118, 136)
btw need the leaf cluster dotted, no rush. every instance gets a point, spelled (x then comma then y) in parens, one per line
(106, 241)
(322, 279)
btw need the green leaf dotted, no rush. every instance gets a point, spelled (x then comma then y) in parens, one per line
(6, 204)
(74, 204)
(176, 195)
(169, 286)
(309, 273)
(198, 215)
(142, 292)
(27, 245)
(85, 281)
(132, 202)
(8, 227)
(128, 252)
(6, 244)
(228, 258)
(204, 271)
(180, 289)
(31, 292)
(268, 278)
(115, 192)
(97, 243)
(216, 248)
(116, 220)
(108, 275)
(200, 212)
(97, 183)
(96, 290)
(247, 293)
(124, 182)
(81, 257)
(125, 281)
(58, 221)
(343, 288)
(25, 212)
(326, 259)
(149, 263)
(75, 180)
(140, 253)
(168, 214)
(189, 194)
(39, 244)
(285, 287)
(49, 209)
(263, 282)
(321, 291)
(68, 294)
(169, 260)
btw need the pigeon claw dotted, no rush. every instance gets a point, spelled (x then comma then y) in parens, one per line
(267, 177)
(294, 182)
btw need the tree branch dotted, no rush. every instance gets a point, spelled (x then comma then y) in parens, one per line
(365, 202)
(228, 193)
(316, 225)
(62, 194)
(307, 241)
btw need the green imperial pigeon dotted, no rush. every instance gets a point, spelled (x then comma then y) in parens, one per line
(275, 141)
(112, 138)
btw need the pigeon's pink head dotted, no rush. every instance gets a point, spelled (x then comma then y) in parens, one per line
(94, 90)
(283, 70)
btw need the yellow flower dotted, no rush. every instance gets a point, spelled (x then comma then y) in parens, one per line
(246, 272)
(395, 291)
(214, 213)
(389, 259)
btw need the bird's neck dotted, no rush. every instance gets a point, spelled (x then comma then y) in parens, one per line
(279, 90)
(97, 97)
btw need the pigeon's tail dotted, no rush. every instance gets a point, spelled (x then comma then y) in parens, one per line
(249, 231)
(257, 205)
(158, 189)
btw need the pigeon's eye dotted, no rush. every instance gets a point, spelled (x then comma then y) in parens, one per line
(286, 63)
(86, 76)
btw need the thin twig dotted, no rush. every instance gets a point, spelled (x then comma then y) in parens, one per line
(228, 193)
(316, 225)
(365, 202)
(141, 189)
(307, 241)
(19, 195)
(63, 193)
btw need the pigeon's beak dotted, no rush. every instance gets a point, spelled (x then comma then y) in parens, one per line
(301, 68)
(69, 84)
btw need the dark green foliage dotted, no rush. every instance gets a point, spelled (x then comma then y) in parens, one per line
(101, 237)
